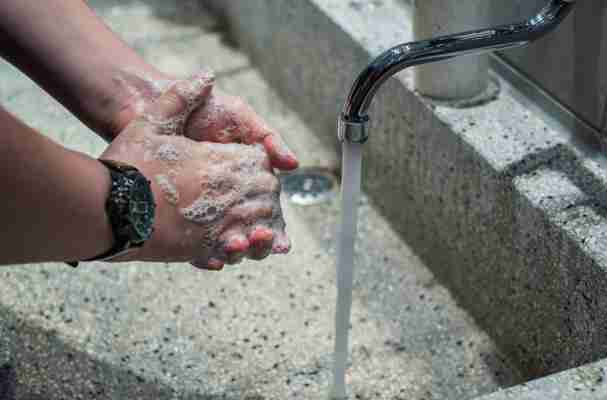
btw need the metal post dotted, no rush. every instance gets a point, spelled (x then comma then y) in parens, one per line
(458, 79)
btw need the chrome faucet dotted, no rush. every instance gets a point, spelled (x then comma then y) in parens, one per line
(354, 118)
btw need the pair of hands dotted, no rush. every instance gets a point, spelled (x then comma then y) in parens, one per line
(210, 159)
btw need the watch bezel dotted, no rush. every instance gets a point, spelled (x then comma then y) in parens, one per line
(132, 224)
(141, 210)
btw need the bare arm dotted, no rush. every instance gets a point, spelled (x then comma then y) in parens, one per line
(73, 55)
(53, 202)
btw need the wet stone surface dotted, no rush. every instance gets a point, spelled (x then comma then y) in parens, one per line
(259, 331)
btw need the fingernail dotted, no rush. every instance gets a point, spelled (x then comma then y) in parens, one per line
(292, 161)
(274, 144)
(282, 244)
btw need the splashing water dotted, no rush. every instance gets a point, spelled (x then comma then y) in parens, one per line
(350, 193)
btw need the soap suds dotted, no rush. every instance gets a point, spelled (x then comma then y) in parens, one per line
(190, 92)
(203, 211)
(168, 189)
(142, 89)
(168, 152)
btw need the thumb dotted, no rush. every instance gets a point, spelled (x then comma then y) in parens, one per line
(170, 111)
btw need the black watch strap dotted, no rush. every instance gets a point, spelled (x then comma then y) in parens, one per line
(118, 206)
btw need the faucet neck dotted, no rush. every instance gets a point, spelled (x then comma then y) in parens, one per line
(442, 48)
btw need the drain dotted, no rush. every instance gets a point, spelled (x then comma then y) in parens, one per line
(308, 186)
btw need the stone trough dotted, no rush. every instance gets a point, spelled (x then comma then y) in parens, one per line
(481, 259)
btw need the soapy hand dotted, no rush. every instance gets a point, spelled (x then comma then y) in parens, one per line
(219, 118)
(216, 203)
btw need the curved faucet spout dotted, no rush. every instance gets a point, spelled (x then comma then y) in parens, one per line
(354, 114)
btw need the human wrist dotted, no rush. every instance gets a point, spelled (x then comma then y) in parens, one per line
(95, 235)
(130, 208)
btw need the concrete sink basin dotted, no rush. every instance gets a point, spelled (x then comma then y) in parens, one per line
(481, 274)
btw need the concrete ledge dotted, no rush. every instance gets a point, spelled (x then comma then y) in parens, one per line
(584, 383)
(506, 210)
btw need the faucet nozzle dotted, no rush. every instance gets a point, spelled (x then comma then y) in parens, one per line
(353, 131)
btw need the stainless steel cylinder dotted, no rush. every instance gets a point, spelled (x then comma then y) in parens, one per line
(460, 78)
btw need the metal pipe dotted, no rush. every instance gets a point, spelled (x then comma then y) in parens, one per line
(354, 114)
(458, 79)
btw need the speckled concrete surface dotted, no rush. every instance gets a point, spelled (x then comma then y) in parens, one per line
(502, 203)
(259, 331)
(584, 383)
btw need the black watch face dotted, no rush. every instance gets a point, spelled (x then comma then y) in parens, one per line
(142, 209)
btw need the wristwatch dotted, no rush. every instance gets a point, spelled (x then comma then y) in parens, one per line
(130, 209)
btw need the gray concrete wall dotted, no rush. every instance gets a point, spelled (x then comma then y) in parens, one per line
(572, 63)
(507, 211)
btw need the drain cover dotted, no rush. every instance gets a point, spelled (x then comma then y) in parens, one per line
(308, 186)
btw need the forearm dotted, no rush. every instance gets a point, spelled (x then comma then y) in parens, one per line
(52, 199)
(74, 56)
